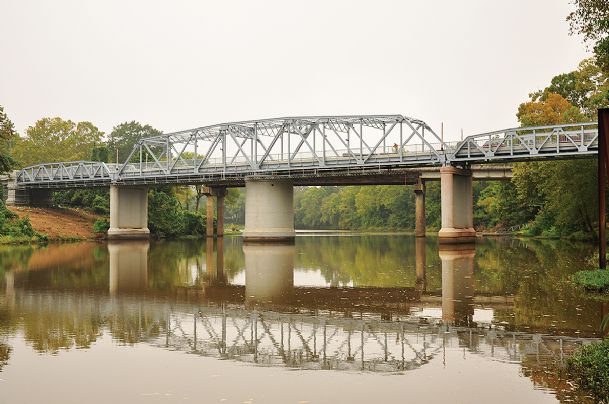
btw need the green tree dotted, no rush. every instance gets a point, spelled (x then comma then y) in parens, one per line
(8, 136)
(100, 153)
(124, 136)
(165, 214)
(557, 197)
(591, 19)
(55, 139)
(586, 88)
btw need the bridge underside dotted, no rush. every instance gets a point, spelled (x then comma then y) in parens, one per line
(367, 176)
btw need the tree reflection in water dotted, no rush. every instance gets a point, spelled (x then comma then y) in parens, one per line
(383, 290)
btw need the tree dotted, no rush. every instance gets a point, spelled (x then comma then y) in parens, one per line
(100, 153)
(125, 135)
(54, 139)
(8, 137)
(554, 109)
(591, 19)
(561, 194)
(586, 88)
(165, 215)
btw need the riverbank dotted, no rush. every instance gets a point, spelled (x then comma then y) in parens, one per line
(60, 224)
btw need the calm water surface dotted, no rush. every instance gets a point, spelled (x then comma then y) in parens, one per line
(332, 319)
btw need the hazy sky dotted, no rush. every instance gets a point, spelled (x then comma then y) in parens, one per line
(182, 64)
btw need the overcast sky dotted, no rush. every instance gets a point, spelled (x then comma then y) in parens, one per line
(182, 64)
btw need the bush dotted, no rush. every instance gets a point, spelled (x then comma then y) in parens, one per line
(194, 223)
(165, 215)
(589, 366)
(101, 226)
(13, 229)
(97, 200)
(597, 280)
(101, 205)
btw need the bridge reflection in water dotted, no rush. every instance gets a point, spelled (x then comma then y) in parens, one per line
(272, 322)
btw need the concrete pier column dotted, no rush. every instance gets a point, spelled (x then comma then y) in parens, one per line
(209, 216)
(220, 192)
(457, 206)
(128, 213)
(128, 266)
(218, 212)
(269, 210)
(419, 199)
(269, 272)
(15, 196)
(458, 283)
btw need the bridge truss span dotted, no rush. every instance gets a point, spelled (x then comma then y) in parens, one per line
(309, 147)
(282, 146)
(577, 139)
(285, 145)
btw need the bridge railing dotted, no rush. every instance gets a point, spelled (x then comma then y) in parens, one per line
(551, 140)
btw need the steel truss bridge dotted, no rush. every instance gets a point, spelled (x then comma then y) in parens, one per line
(313, 147)
(322, 340)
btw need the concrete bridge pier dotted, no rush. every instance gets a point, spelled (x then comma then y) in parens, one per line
(458, 283)
(419, 199)
(457, 206)
(269, 210)
(128, 213)
(217, 210)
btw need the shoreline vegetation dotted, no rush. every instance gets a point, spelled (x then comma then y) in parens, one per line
(68, 224)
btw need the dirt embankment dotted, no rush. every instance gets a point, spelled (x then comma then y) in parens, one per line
(60, 223)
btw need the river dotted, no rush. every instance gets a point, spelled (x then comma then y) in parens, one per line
(333, 318)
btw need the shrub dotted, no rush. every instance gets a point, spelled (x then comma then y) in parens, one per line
(13, 229)
(597, 280)
(194, 223)
(101, 226)
(589, 366)
(100, 205)
(165, 215)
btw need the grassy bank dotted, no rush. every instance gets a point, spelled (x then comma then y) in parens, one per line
(17, 230)
(593, 281)
(589, 367)
(40, 238)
